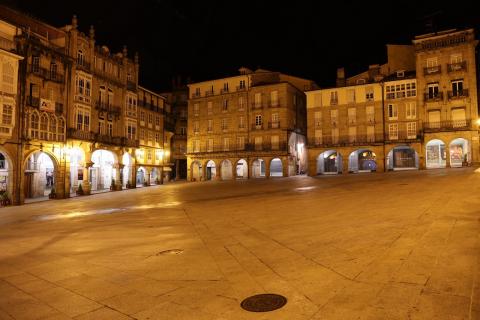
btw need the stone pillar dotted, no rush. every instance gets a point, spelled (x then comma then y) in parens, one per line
(286, 166)
(234, 171)
(380, 164)
(267, 168)
(474, 149)
(118, 180)
(86, 178)
(344, 164)
(447, 155)
(148, 176)
(218, 173)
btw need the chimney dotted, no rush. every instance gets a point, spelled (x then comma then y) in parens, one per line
(373, 71)
(341, 82)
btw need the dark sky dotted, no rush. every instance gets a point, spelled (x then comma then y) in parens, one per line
(210, 39)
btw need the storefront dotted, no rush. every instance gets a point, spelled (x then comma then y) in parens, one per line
(402, 158)
(436, 154)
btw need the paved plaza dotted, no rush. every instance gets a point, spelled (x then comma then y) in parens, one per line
(401, 245)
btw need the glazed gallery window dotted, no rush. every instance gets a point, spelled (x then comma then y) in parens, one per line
(131, 130)
(318, 118)
(7, 115)
(82, 119)
(411, 130)
(393, 131)
(392, 112)
(8, 76)
(457, 88)
(433, 91)
(34, 125)
(209, 108)
(411, 110)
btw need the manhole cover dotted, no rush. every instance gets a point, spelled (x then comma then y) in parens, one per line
(170, 252)
(263, 302)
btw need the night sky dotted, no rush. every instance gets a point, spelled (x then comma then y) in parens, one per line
(210, 39)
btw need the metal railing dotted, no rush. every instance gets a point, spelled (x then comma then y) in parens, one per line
(447, 125)
(457, 94)
(84, 65)
(46, 74)
(241, 88)
(257, 105)
(103, 106)
(433, 97)
(74, 133)
(432, 70)
(257, 126)
(274, 125)
(264, 147)
(224, 90)
(458, 66)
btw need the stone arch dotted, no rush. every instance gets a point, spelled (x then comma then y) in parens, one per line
(41, 170)
(276, 167)
(459, 151)
(362, 160)
(6, 173)
(402, 157)
(103, 170)
(210, 170)
(226, 170)
(196, 172)
(241, 169)
(329, 162)
(435, 154)
(141, 176)
(258, 168)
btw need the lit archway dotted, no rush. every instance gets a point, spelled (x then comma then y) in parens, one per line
(276, 168)
(329, 162)
(242, 169)
(154, 176)
(226, 170)
(6, 170)
(459, 153)
(40, 175)
(141, 178)
(102, 173)
(126, 174)
(362, 160)
(402, 158)
(196, 171)
(77, 167)
(211, 170)
(258, 168)
(435, 154)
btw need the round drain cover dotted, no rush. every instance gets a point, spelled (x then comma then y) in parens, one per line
(263, 302)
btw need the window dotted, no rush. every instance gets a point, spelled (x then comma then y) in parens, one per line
(149, 155)
(209, 145)
(197, 92)
(275, 121)
(370, 112)
(350, 95)
(81, 86)
(210, 126)
(411, 130)
(150, 118)
(457, 88)
(393, 131)
(34, 125)
(370, 133)
(352, 134)
(432, 62)
(183, 131)
(317, 100)
(401, 90)
(83, 119)
(53, 71)
(196, 109)
(225, 105)
(258, 121)
(80, 57)
(225, 87)
(142, 116)
(400, 74)
(241, 122)
(456, 58)
(224, 124)
(131, 130)
(110, 128)
(352, 115)
(275, 142)
(334, 117)
(333, 98)
(411, 110)
(459, 118)
(434, 119)
(43, 127)
(242, 84)
(432, 90)
(61, 129)
(318, 136)
(101, 126)
(8, 77)
(369, 94)
(241, 103)
(241, 143)
(141, 134)
(209, 107)
(258, 143)
(274, 98)
(335, 135)
(318, 119)
(258, 100)
(131, 102)
(392, 112)
(196, 145)
(7, 115)
(196, 127)
(36, 64)
(226, 144)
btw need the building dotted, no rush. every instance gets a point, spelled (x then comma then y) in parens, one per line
(178, 99)
(397, 116)
(250, 125)
(447, 83)
(78, 108)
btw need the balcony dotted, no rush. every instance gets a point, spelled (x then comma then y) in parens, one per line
(224, 90)
(432, 70)
(83, 65)
(274, 104)
(132, 86)
(459, 66)
(208, 93)
(129, 142)
(432, 97)
(73, 133)
(346, 140)
(257, 126)
(241, 88)
(274, 125)
(447, 125)
(103, 138)
(459, 94)
(33, 101)
(257, 105)
(333, 102)
(48, 75)
(104, 107)
(196, 95)
(241, 126)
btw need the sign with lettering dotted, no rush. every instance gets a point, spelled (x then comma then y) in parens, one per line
(47, 105)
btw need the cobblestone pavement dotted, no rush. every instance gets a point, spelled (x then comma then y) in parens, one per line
(402, 245)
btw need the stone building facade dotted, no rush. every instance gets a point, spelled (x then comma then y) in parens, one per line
(250, 125)
(419, 110)
(78, 109)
